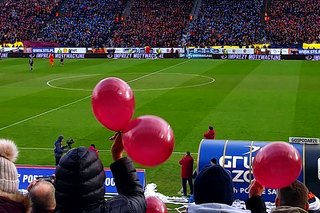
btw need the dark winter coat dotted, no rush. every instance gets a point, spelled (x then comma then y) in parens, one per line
(186, 166)
(80, 187)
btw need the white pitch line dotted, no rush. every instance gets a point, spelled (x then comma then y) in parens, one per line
(63, 106)
(135, 90)
(103, 150)
(52, 110)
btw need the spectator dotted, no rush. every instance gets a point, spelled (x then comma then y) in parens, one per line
(213, 192)
(210, 134)
(292, 198)
(11, 201)
(59, 149)
(80, 187)
(213, 161)
(314, 203)
(93, 148)
(213, 184)
(186, 173)
(42, 195)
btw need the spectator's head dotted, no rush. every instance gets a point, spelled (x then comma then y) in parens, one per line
(213, 184)
(79, 180)
(42, 197)
(213, 161)
(210, 127)
(295, 195)
(8, 175)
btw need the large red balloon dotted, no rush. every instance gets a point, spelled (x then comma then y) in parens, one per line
(155, 205)
(113, 103)
(148, 140)
(277, 165)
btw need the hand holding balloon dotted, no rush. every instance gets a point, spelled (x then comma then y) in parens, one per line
(148, 140)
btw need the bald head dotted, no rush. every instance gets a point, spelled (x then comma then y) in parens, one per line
(42, 196)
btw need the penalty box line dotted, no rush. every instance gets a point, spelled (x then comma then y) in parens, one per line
(74, 102)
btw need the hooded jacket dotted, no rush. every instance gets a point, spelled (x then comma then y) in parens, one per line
(80, 187)
(58, 149)
(14, 203)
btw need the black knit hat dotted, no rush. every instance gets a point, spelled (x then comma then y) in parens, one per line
(213, 184)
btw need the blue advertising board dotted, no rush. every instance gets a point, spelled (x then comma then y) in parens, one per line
(237, 157)
(27, 174)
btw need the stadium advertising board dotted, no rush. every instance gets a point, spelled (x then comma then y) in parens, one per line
(251, 57)
(237, 157)
(134, 55)
(27, 174)
(275, 51)
(67, 55)
(142, 50)
(11, 49)
(220, 51)
(309, 51)
(3, 55)
(42, 50)
(70, 50)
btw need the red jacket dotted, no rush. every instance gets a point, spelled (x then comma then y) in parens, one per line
(186, 167)
(210, 134)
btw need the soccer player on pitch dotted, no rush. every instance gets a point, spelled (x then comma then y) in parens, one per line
(31, 62)
(61, 60)
(51, 59)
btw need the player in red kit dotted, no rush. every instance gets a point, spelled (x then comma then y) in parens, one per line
(210, 134)
(51, 57)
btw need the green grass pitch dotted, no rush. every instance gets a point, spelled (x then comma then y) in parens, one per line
(249, 100)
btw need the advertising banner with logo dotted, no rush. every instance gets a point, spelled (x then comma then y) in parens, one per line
(309, 51)
(3, 55)
(70, 50)
(220, 50)
(275, 51)
(42, 50)
(27, 174)
(250, 57)
(237, 157)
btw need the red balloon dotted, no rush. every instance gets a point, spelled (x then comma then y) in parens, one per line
(155, 205)
(113, 103)
(148, 140)
(277, 165)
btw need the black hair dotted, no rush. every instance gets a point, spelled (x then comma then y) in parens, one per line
(210, 127)
(188, 153)
(93, 145)
(213, 160)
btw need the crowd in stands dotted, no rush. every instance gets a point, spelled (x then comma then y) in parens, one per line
(95, 23)
(22, 20)
(227, 22)
(85, 23)
(157, 23)
(294, 22)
